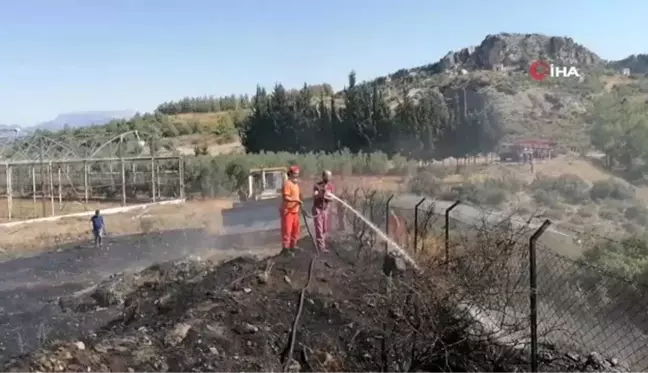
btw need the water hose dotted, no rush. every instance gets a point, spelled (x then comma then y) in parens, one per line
(305, 216)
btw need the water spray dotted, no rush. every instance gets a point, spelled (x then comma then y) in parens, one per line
(379, 232)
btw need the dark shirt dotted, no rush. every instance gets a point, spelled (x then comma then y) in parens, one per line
(319, 202)
(97, 222)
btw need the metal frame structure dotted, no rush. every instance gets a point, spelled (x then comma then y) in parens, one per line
(64, 161)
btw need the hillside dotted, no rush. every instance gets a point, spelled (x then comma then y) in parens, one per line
(494, 74)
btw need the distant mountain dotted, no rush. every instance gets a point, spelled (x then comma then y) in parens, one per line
(5, 127)
(83, 119)
(637, 63)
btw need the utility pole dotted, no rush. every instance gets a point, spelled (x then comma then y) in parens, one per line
(42, 173)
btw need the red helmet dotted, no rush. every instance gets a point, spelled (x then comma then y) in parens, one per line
(294, 169)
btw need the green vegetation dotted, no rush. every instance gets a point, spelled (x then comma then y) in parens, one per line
(619, 129)
(627, 258)
(422, 126)
(208, 104)
(211, 176)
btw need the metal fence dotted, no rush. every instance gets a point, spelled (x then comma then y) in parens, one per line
(48, 174)
(531, 286)
(33, 189)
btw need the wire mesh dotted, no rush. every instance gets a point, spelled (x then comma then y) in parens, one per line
(580, 308)
(589, 309)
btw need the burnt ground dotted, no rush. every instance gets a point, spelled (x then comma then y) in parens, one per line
(30, 287)
(194, 315)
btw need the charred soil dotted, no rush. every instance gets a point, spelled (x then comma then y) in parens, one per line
(194, 315)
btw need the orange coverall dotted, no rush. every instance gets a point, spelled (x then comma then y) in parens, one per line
(290, 216)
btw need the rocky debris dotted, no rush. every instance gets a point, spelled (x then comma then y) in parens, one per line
(115, 291)
(194, 316)
(393, 265)
(177, 334)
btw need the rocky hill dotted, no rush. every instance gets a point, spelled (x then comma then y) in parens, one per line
(517, 51)
(495, 74)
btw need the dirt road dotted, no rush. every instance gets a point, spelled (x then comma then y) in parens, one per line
(30, 287)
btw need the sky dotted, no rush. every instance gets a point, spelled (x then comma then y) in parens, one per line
(61, 56)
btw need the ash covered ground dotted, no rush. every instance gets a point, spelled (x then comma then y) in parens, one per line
(196, 315)
(30, 288)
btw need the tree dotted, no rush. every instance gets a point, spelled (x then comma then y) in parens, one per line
(619, 129)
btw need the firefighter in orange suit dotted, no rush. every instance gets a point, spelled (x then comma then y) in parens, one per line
(290, 210)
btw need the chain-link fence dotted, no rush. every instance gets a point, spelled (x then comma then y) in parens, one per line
(525, 282)
(583, 306)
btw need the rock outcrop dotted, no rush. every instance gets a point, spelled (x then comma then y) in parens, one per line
(516, 51)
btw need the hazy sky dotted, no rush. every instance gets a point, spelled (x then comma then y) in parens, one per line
(62, 56)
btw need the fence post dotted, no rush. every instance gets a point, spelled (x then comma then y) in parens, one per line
(85, 182)
(60, 187)
(123, 180)
(533, 296)
(153, 191)
(387, 208)
(51, 187)
(447, 231)
(9, 191)
(416, 210)
(181, 176)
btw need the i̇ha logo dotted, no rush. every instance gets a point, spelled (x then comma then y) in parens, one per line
(540, 70)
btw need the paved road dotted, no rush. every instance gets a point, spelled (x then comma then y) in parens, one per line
(30, 287)
(561, 242)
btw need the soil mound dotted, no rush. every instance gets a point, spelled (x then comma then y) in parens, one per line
(193, 315)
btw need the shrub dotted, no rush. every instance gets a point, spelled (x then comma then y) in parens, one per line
(609, 214)
(637, 214)
(554, 214)
(631, 228)
(488, 192)
(586, 211)
(439, 172)
(221, 175)
(577, 220)
(547, 198)
(571, 188)
(604, 189)
(628, 258)
(424, 183)
(490, 196)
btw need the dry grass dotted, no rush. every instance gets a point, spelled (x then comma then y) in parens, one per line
(36, 237)
(23, 209)
(185, 145)
(380, 183)
(430, 250)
